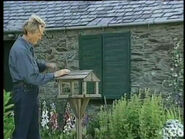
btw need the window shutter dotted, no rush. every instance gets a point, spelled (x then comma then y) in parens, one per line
(109, 56)
(116, 64)
(91, 57)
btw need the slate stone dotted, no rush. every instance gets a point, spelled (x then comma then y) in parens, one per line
(95, 21)
(160, 19)
(87, 11)
(147, 11)
(157, 11)
(157, 15)
(168, 14)
(128, 10)
(105, 21)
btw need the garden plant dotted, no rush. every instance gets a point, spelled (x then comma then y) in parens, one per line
(8, 119)
(139, 118)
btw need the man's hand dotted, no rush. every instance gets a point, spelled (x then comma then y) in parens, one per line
(52, 65)
(61, 72)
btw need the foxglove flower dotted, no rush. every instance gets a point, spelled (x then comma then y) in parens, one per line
(53, 117)
(69, 120)
(45, 117)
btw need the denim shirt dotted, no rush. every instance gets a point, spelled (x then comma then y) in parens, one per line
(24, 66)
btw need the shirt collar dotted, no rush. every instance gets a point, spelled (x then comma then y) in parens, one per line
(28, 44)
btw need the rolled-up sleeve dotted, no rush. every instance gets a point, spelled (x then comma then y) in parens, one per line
(29, 71)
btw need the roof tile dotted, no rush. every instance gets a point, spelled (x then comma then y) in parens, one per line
(90, 13)
(157, 15)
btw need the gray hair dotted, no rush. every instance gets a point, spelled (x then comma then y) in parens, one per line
(33, 24)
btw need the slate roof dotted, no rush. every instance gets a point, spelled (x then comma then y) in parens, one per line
(60, 14)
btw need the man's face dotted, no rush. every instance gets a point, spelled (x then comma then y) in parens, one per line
(35, 37)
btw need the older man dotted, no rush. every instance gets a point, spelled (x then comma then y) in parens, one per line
(25, 72)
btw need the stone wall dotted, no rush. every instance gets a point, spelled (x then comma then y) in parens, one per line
(150, 53)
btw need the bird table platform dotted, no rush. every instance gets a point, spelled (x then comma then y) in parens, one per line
(78, 96)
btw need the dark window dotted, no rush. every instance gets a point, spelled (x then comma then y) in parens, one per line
(7, 82)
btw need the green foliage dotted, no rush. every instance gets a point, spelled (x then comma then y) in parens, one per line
(47, 134)
(92, 125)
(151, 117)
(174, 113)
(140, 117)
(124, 118)
(8, 119)
(70, 135)
(103, 131)
(176, 79)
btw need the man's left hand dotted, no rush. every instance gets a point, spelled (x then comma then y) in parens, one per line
(52, 66)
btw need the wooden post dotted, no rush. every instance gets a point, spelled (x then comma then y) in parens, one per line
(79, 120)
(60, 87)
(85, 102)
(97, 88)
(84, 87)
(72, 87)
(78, 106)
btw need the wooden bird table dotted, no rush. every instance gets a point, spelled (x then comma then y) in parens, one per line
(80, 99)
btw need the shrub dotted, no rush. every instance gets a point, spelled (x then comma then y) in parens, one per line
(151, 117)
(8, 119)
(174, 113)
(103, 119)
(143, 116)
(93, 124)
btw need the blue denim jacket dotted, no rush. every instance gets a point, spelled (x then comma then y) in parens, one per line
(24, 66)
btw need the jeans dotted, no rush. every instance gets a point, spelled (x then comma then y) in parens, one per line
(26, 112)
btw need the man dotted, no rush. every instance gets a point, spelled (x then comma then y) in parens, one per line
(25, 72)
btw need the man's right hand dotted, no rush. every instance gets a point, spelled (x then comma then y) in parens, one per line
(61, 72)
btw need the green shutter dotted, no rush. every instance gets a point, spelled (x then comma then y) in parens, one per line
(91, 57)
(109, 56)
(116, 64)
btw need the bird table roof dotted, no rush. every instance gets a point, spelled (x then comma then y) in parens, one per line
(85, 75)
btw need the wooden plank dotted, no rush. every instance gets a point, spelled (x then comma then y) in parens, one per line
(70, 77)
(97, 87)
(79, 73)
(94, 78)
(60, 88)
(79, 128)
(69, 96)
(72, 103)
(80, 96)
(72, 87)
(84, 87)
(93, 95)
(85, 102)
(78, 103)
(91, 77)
(62, 96)
(79, 119)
